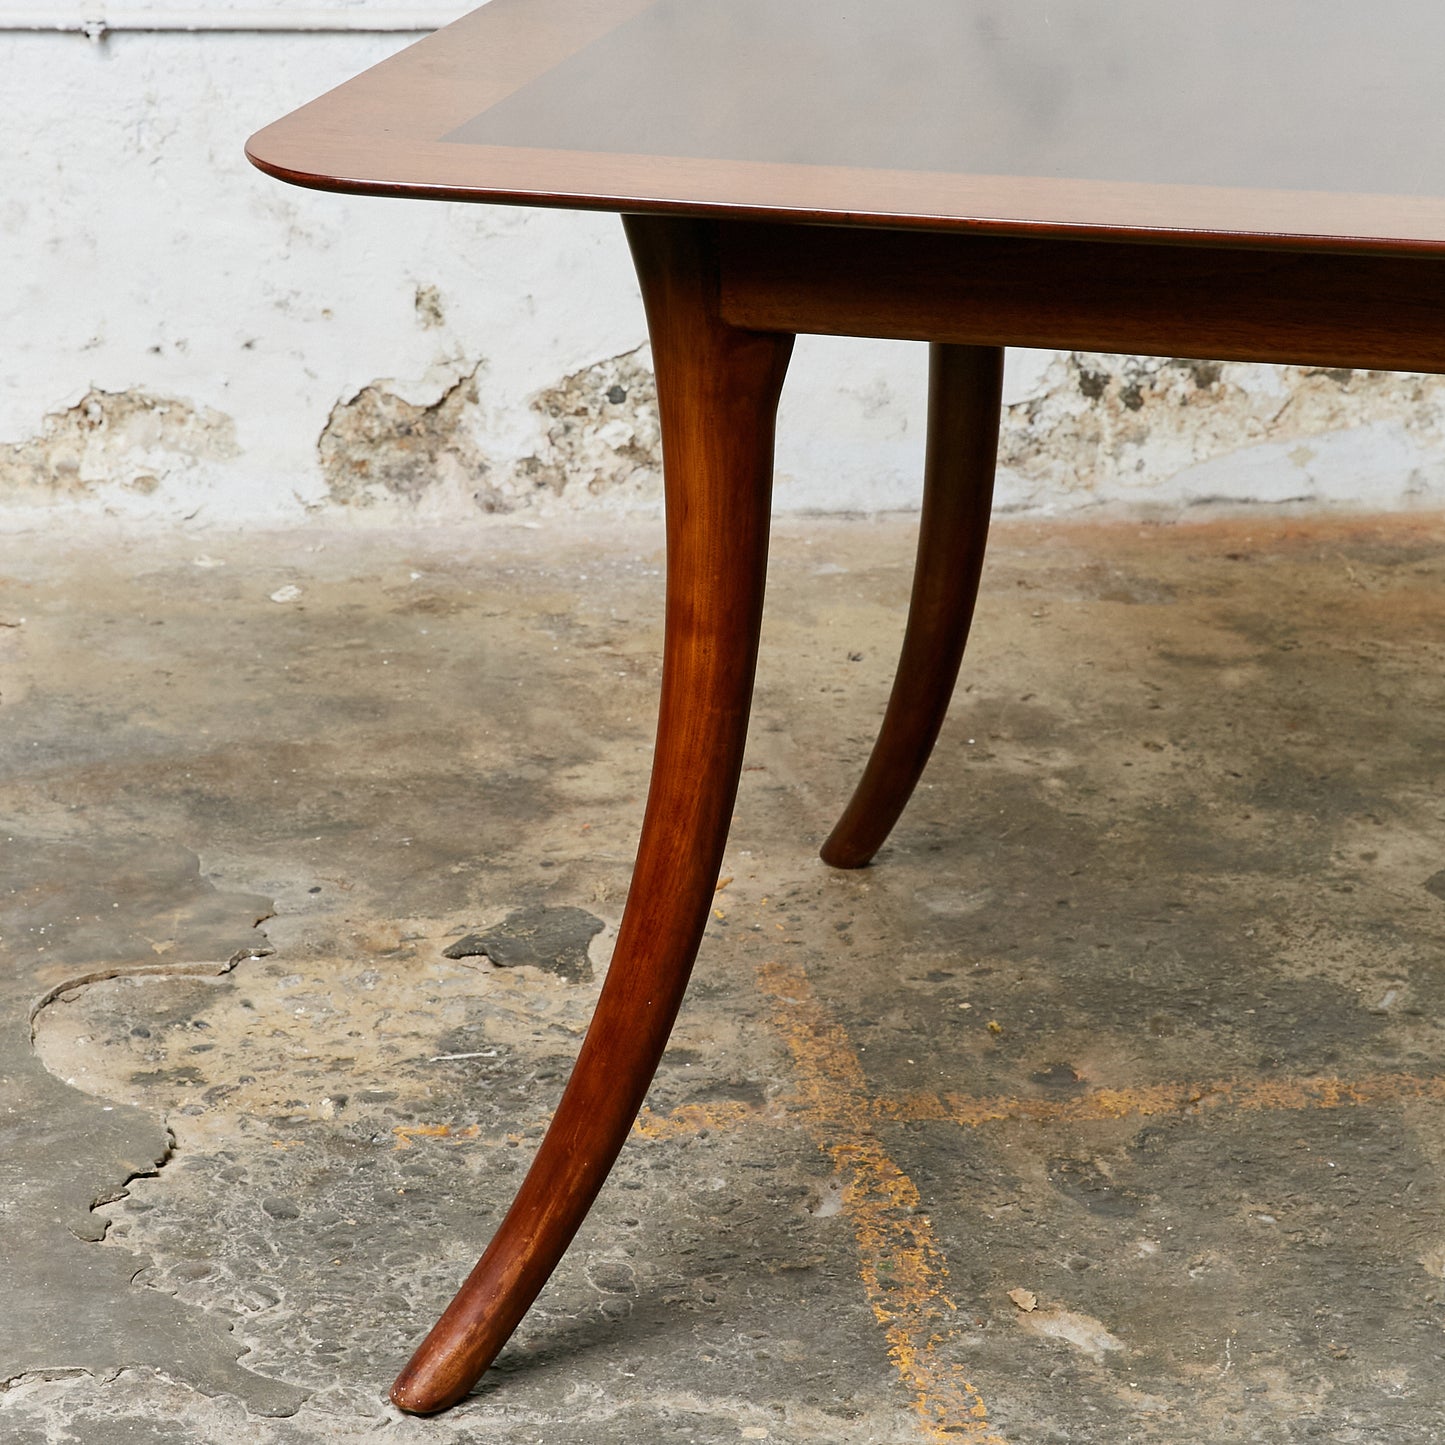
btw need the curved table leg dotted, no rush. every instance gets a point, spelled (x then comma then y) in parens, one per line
(718, 391)
(964, 391)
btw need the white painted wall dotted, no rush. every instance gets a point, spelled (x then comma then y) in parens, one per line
(177, 330)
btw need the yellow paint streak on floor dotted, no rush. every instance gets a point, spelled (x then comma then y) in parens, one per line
(688, 1119)
(901, 1265)
(407, 1134)
(973, 1111)
(1241, 1095)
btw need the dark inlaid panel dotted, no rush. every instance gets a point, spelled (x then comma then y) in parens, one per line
(1329, 95)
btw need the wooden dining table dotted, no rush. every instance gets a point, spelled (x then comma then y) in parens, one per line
(1236, 181)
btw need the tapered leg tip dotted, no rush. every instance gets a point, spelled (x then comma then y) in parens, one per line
(416, 1398)
(839, 855)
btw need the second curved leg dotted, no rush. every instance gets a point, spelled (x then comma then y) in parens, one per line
(964, 393)
(717, 390)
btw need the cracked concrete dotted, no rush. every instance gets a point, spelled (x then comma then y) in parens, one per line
(1136, 1017)
(125, 902)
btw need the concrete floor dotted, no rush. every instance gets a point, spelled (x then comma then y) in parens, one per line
(1109, 1106)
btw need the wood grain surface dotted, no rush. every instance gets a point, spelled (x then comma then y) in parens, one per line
(1217, 303)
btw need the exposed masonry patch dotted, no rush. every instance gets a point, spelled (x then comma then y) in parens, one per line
(1106, 424)
(1129, 430)
(601, 441)
(379, 445)
(127, 439)
(602, 437)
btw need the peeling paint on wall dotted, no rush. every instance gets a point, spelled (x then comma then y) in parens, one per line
(378, 445)
(114, 439)
(602, 435)
(1141, 434)
(1197, 432)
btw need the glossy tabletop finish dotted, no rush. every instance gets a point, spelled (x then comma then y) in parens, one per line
(1302, 123)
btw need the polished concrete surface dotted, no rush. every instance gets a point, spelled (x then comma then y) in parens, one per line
(1108, 1106)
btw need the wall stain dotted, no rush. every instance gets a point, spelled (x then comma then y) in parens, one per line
(132, 440)
(1110, 426)
(429, 311)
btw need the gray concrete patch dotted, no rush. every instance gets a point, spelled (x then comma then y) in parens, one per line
(552, 939)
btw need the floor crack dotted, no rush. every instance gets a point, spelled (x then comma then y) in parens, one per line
(72, 986)
(120, 1191)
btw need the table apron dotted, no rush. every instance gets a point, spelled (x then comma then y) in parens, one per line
(1217, 303)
